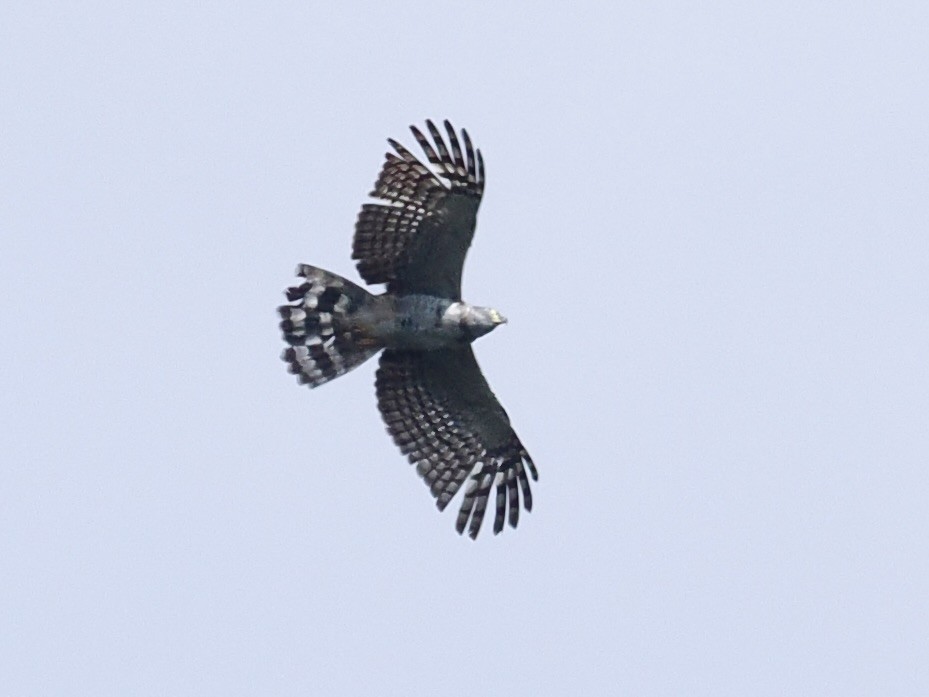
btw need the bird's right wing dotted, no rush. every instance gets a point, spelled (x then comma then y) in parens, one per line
(442, 414)
(417, 241)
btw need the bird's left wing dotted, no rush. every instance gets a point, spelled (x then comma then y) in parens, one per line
(442, 414)
(416, 242)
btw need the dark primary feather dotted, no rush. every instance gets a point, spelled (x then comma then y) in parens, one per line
(442, 414)
(417, 242)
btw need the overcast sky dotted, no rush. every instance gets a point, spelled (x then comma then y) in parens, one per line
(708, 225)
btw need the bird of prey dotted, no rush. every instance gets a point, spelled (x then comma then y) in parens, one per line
(431, 393)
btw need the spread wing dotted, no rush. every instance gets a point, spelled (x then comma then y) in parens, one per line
(417, 241)
(443, 416)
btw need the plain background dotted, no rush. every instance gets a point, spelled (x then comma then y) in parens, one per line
(707, 223)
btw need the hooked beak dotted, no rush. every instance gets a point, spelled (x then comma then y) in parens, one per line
(497, 318)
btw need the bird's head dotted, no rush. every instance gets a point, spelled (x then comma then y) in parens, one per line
(473, 320)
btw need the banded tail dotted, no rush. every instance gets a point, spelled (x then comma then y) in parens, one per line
(324, 342)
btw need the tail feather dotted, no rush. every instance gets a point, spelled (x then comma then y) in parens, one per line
(323, 341)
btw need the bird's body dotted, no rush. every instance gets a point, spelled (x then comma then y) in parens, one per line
(420, 322)
(432, 395)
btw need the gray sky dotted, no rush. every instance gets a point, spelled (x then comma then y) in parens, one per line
(707, 224)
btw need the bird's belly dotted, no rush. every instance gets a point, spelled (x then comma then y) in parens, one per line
(422, 339)
(416, 332)
(413, 323)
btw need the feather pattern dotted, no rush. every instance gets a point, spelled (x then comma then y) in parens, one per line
(441, 413)
(323, 343)
(417, 241)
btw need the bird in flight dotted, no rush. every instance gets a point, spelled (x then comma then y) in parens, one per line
(431, 393)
